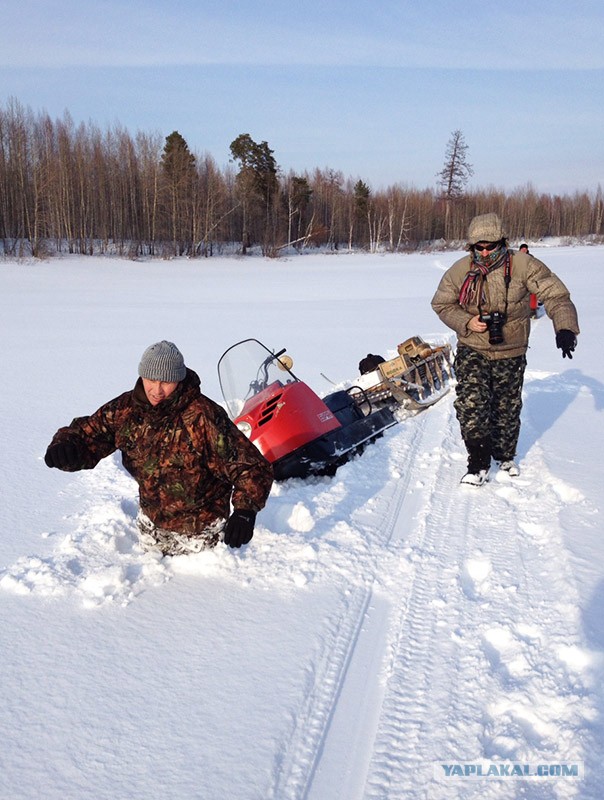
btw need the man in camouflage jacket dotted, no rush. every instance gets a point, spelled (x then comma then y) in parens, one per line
(189, 460)
(490, 368)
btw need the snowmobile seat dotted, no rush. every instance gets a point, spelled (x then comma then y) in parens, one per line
(343, 407)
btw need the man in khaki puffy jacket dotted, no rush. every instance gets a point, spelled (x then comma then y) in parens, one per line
(485, 298)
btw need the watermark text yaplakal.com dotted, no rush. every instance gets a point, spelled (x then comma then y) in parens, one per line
(508, 770)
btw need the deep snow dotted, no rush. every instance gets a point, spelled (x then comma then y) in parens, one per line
(380, 622)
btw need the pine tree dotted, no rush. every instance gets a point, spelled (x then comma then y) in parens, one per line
(299, 195)
(178, 169)
(456, 170)
(454, 175)
(257, 183)
(358, 224)
(362, 193)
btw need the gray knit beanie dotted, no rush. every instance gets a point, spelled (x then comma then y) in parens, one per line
(485, 228)
(162, 361)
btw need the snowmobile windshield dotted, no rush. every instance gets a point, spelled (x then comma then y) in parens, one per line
(248, 368)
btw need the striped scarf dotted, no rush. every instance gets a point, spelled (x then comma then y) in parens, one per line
(472, 289)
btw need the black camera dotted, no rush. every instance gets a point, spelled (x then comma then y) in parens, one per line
(494, 322)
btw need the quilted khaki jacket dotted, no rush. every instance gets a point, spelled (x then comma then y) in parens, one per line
(528, 275)
(189, 460)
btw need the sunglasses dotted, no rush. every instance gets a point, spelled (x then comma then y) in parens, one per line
(488, 246)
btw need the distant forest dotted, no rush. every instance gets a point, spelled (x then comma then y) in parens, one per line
(79, 189)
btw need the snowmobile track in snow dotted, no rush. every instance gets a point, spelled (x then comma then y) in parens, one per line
(353, 632)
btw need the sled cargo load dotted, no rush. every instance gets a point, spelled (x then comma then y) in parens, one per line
(417, 377)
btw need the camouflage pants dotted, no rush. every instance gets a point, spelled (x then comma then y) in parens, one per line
(489, 400)
(172, 543)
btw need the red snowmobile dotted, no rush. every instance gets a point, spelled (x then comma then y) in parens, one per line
(300, 433)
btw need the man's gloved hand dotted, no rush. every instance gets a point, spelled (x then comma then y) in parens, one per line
(239, 528)
(66, 455)
(566, 341)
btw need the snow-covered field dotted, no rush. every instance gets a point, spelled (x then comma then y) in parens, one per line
(380, 624)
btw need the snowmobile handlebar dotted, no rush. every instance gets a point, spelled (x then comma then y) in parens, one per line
(262, 381)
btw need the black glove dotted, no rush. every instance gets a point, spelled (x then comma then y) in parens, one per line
(566, 341)
(67, 455)
(239, 528)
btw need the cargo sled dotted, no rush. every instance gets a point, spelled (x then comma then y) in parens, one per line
(417, 377)
(300, 433)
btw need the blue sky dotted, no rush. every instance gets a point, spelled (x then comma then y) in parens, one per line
(373, 89)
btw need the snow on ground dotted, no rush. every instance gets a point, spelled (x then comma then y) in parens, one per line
(381, 623)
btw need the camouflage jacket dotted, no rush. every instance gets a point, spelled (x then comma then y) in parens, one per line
(528, 275)
(189, 460)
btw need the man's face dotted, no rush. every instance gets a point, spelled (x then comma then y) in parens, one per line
(157, 391)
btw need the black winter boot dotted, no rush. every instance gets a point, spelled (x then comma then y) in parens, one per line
(479, 461)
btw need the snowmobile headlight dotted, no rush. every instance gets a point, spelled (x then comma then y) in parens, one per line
(285, 362)
(245, 428)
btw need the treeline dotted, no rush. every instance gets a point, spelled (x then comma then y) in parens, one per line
(79, 189)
